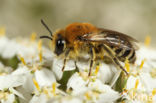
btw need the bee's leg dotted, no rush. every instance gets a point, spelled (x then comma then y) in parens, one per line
(92, 51)
(75, 64)
(65, 60)
(116, 61)
(111, 53)
(64, 64)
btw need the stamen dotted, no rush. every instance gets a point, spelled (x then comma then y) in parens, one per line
(54, 88)
(97, 69)
(136, 84)
(147, 40)
(39, 45)
(154, 92)
(22, 60)
(40, 50)
(40, 56)
(87, 96)
(45, 91)
(142, 63)
(36, 84)
(33, 36)
(2, 31)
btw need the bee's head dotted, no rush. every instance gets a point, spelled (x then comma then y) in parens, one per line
(59, 43)
(58, 40)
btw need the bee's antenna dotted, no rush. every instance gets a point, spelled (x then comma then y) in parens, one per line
(46, 37)
(47, 28)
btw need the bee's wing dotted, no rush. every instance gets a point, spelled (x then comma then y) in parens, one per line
(112, 38)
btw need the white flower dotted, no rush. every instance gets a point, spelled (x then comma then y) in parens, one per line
(39, 99)
(83, 66)
(10, 99)
(77, 84)
(66, 99)
(149, 55)
(10, 50)
(92, 90)
(58, 65)
(27, 88)
(8, 95)
(45, 77)
(106, 73)
(149, 82)
(107, 94)
(33, 77)
(8, 81)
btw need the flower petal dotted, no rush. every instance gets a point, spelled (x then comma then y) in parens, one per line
(8, 81)
(45, 77)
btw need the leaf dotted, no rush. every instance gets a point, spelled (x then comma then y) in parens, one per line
(121, 82)
(12, 62)
(65, 78)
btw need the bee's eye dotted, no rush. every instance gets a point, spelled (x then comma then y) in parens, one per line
(60, 46)
(60, 43)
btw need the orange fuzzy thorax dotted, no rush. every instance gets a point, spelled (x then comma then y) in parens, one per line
(78, 29)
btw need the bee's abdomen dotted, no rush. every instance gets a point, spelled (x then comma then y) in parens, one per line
(122, 54)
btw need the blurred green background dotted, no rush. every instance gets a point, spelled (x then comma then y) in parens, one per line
(133, 17)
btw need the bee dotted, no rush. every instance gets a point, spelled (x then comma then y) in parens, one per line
(79, 39)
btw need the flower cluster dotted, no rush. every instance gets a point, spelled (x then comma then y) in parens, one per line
(30, 72)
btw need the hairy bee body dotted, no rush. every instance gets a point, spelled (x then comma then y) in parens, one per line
(121, 53)
(83, 39)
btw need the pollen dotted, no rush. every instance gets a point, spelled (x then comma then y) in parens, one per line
(136, 84)
(45, 91)
(153, 73)
(33, 36)
(97, 69)
(40, 56)
(154, 92)
(2, 31)
(87, 96)
(4, 95)
(36, 84)
(124, 91)
(147, 40)
(22, 60)
(127, 66)
(39, 45)
(54, 88)
(84, 75)
(40, 50)
(142, 63)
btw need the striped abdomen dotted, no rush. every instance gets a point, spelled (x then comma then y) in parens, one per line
(123, 53)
